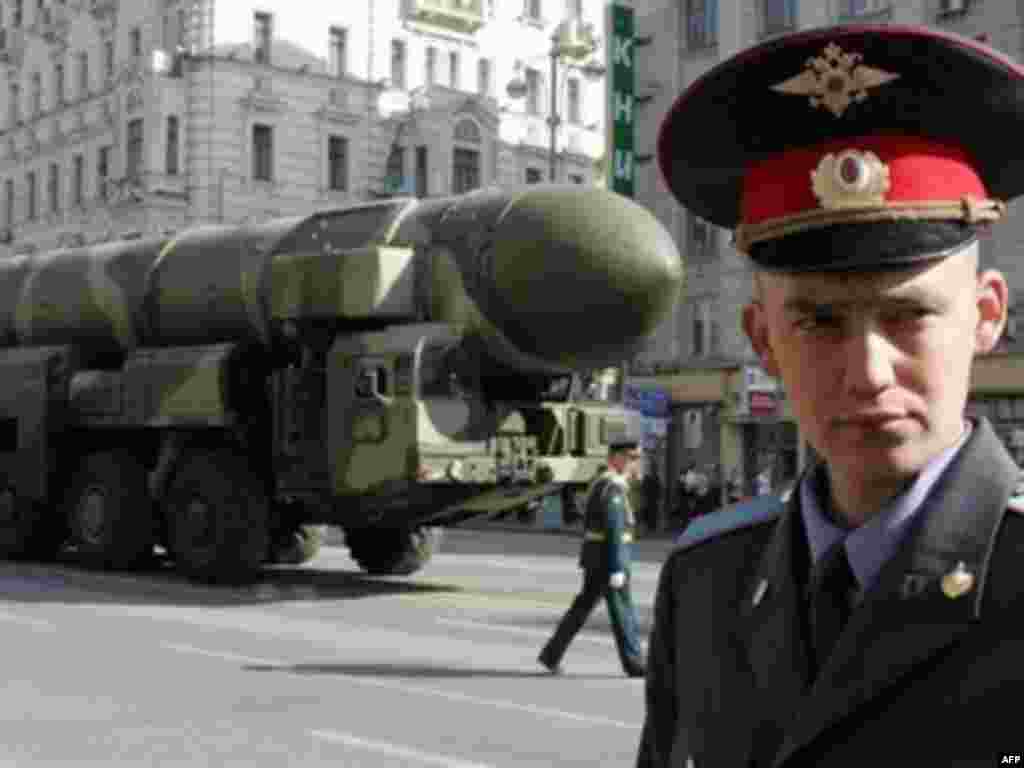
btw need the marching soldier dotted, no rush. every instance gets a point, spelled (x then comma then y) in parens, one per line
(609, 525)
(876, 613)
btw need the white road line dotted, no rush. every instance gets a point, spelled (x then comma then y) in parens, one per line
(395, 750)
(418, 689)
(184, 648)
(27, 621)
(525, 631)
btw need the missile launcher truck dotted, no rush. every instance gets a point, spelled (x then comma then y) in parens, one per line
(389, 368)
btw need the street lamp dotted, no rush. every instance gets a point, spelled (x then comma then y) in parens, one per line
(572, 39)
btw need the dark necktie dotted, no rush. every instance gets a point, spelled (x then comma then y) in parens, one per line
(832, 581)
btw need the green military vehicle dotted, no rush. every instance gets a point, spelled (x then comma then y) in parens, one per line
(389, 368)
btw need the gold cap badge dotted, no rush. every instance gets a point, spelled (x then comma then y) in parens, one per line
(835, 80)
(957, 582)
(851, 179)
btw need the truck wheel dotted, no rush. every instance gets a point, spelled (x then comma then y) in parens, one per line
(393, 551)
(29, 530)
(109, 511)
(218, 519)
(296, 546)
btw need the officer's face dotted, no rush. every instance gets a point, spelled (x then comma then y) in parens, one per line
(877, 364)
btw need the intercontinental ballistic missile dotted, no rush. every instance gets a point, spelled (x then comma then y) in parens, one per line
(551, 278)
(387, 368)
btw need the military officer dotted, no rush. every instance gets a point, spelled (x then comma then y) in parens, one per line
(608, 525)
(876, 613)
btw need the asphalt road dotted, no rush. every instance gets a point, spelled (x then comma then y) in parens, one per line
(318, 665)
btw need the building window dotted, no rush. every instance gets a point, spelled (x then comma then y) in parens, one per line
(19, 13)
(263, 29)
(465, 170)
(262, 152)
(422, 187)
(102, 172)
(574, 96)
(863, 7)
(702, 239)
(532, 9)
(339, 51)
(83, 74)
(483, 77)
(337, 163)
(108, 59)
(172, 146)
(37, 94)
(701, 23)
(453, 69)
(533, 95)
(394, 172)
(398, 64)
(30, 196)
(136, 39)
(53, 188)
(431, 64)
(778, 16)
(78, 180)
(575, 178)
(133, 150)
(14, 105)
(58, 85)
(534, 176)
(9, 203)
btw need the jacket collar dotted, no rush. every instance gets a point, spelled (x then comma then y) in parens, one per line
(925, 596)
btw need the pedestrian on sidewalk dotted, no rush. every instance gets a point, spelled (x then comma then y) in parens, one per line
(605, 558)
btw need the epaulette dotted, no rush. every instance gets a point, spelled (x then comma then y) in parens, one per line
(734, 517)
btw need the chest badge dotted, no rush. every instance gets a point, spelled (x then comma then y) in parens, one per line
(957, 582)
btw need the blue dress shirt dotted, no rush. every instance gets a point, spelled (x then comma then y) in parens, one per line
(871, 545)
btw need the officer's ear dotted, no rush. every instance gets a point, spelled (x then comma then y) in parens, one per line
(993, 306)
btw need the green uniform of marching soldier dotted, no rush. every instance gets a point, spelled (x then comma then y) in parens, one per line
(605, 557)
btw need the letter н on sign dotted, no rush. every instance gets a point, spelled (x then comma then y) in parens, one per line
(620, 98)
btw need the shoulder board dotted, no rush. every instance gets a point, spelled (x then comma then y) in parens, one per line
(734, 517)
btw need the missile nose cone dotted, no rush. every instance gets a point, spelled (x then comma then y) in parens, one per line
(583, 275)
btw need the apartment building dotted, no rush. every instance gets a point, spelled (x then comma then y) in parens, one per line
(125, 118)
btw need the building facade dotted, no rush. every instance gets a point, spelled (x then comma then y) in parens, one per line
(729, 418)
(125, 118)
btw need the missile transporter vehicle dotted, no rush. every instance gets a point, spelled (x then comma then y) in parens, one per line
(389, 368)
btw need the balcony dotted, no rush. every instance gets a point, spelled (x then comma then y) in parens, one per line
(465, 16)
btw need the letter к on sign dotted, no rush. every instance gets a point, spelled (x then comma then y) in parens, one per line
(620, 80)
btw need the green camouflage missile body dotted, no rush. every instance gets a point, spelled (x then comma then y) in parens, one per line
(380, 367)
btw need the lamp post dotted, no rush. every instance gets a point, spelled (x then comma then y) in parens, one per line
(572, 39)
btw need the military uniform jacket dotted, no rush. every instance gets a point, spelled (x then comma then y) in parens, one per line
(608, 525)
(930, 667)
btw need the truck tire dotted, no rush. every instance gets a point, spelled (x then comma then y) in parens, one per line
(109, 511)
(296, 546)
(393, 551)
(29, 530)
(217, 518)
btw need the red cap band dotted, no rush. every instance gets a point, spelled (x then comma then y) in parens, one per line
(920, 170)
